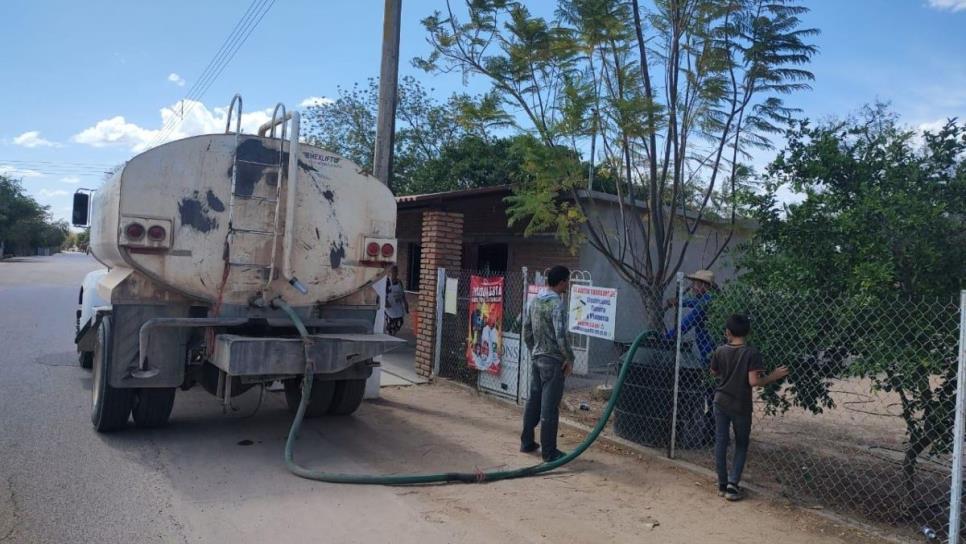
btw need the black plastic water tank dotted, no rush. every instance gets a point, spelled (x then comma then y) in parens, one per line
(644, 409)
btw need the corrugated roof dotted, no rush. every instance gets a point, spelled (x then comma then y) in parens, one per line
(452, 195)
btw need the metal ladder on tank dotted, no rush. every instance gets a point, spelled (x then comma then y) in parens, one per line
(284, 170)
(270, 204)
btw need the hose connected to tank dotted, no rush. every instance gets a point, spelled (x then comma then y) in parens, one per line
(409, 479)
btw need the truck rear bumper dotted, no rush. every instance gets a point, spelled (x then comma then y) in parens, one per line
(328, 353)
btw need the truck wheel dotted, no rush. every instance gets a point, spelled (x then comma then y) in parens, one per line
(86, 359)
(319, 402)
(152, 406)
(110, 407)
(348, 397)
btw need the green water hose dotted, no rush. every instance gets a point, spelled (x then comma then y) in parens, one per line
(429, 478)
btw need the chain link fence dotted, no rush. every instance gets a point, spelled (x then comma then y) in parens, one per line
(864, 422)
(863, 425)
(462, 332)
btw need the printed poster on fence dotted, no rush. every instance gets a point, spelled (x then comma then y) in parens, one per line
(592, 311)
(484, 340)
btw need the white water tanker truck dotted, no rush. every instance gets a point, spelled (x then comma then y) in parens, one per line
(204, 239)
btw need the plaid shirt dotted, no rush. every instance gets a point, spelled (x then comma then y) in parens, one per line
(545, 327)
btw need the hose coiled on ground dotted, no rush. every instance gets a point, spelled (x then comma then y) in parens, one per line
(440, 477)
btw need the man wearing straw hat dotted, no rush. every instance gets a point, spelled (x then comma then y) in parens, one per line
(697, 301)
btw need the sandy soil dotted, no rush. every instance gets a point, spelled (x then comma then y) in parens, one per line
(607, 495)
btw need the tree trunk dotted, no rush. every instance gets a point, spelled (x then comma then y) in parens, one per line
(653, 304)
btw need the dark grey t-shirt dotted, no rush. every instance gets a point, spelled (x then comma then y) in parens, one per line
(732, 365)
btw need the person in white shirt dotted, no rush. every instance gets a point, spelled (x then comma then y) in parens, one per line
(396, 304)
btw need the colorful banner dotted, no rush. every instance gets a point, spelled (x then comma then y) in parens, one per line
(484, 337)
(592, 311)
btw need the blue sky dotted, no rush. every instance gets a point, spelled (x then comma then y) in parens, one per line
(84, 83)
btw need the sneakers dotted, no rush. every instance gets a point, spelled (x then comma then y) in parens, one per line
(552, 456)
(529, 448)
(733, 492)
(722, 489)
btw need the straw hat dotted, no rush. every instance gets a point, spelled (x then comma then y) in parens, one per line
(705, 276)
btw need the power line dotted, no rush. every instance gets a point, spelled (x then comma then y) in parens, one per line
(206, 73)
(243, 29)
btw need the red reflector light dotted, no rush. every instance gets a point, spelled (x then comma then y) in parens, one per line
(156, 233)
(388, 250)
(134, 231)
(372, 249)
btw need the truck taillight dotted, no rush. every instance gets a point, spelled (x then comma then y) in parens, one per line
(145, 234)
(134, 231)
(377, 251)
(157, 233)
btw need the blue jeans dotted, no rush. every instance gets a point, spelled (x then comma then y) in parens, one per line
(543, 406)
(724, 422)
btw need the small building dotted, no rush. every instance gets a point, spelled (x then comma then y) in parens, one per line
(468, 230)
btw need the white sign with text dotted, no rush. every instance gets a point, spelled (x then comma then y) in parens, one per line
(593, 311)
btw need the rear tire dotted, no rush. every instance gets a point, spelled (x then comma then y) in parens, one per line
(348, 397)
(110, 407)
(322, 394)
(86, 359)
(152, 406)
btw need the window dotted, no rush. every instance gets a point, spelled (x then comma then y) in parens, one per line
(492, 258)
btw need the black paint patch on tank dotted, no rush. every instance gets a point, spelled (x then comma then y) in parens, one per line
(253, 150)
(306, 166)
(271, 178)
(336, 254)
(247, 178)
(214, 202)
(194, 215)
(329, 195)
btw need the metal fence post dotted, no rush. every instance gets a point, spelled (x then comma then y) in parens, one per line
(677, 364)
(440, 305)
(956, 487)
(523, 316)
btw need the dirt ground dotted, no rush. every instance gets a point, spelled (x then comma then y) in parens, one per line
(607, 495)
(847, 458)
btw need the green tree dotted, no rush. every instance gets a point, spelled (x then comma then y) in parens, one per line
(468, 163)
(875, 253)
(425, 127)
(668, 97)
(24, 223)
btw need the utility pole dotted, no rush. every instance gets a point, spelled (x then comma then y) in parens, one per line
(388, 76)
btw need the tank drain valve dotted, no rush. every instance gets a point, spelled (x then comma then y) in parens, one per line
(294, 282)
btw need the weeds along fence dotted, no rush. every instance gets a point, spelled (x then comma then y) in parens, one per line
(863, 425)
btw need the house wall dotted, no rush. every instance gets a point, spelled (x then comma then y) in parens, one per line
(630, 309)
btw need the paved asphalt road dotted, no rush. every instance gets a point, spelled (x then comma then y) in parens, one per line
(190, 482)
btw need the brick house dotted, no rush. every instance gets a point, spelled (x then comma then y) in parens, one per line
(468, 230)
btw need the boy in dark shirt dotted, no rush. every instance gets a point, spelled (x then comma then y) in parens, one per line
(738, 368)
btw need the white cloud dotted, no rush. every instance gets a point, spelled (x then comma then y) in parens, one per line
(948, 5)
(50, 193)
(115, 131)
(176, 79)
(73, 180)
(918, 137)
(33, 139)
(315, 101)
(14, 172)
(188, 117)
